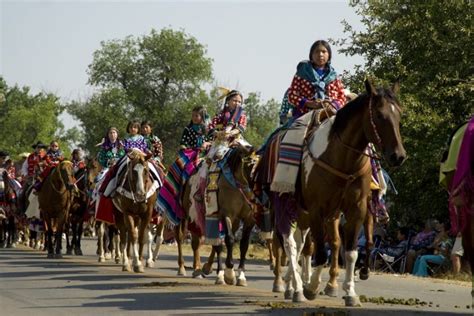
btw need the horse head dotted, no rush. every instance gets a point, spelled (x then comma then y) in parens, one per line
(240, 160)
(66, 174)
(138, 175)
(382, 122)
(93, 168)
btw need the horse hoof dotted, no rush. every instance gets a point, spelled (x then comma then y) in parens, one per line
(289, 294)
(138, 269)
(126, 269)
(330, 290)
(272, 266)
(241, 282)
(182, 271)
(352, 301)
(58, 256)
(278, 289)
(220, 281)
(50, 256)
(309, 295)
(229, 276)
(101, 259)
(108, 256)
(78, 252)
(197, 274)
(69, 252)
(149, 264)
(298, 297)
(364, 274)
(207, 269)
(117, 260)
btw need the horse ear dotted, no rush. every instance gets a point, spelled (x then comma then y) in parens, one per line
(369, 87)
(396, 87)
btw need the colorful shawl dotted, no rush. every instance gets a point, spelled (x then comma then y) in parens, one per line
(169, 199)
(306, 71)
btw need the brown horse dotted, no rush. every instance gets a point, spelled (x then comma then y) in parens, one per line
(233, 208)
(338, 178)
(135, 198)
(55, 198)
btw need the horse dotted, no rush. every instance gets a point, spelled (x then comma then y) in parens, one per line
(135, 198)
(55, 199)
(8, 207)
(76, 213)
(338, 178)
(234, 206)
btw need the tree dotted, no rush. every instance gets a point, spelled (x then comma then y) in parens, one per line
(428, 45)
(156, 77)
(27, 118)
(262, 118)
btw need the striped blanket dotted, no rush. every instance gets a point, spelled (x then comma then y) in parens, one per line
(169, 199)
(291, 151)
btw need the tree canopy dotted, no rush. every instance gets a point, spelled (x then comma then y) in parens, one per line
(428, 46)
(26, 118)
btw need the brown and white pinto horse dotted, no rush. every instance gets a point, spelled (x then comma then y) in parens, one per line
(135, 198)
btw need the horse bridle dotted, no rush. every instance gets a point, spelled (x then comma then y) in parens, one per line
(376, 133)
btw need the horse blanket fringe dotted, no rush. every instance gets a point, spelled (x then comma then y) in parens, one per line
(291, 151)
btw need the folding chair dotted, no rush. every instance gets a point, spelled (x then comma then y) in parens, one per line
(390, 263)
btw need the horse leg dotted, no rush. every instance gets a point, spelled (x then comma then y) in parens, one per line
(331, 288)
(179, 232)
(229, 273)
(244, 246)
(142, 232)
(111, 231)
(278, 285)
(79, 228)
(368, 232)
(101, 242)
(68, 244)
(307, 253)
(159, 239)
(149, 240)
(196, 244)
(311, 290)
(220, 272)
(59, 235)
(271, 257)
(207, 268)
(355, 218)
(49, 237)
(293, 250)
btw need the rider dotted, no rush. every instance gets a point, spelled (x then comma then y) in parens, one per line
(54, 154)
(315, 80)
(153, 142)
(77, 160)
(111, 149)
(37, 162)
(193, 145)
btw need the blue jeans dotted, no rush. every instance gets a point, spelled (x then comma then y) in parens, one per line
(421, 264)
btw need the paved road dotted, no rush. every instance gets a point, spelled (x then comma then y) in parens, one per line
(30, 284)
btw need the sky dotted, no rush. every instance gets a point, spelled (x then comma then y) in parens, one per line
(255, 45)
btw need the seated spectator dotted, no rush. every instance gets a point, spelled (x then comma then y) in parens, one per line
(395, 251)
(419, 244)
(441, 247)
(456, 253)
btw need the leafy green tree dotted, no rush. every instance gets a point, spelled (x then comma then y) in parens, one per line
(262, 118)
(156, 77)
(428, 46)
(27, 118)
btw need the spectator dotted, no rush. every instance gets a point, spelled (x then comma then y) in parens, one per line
(395, 251)
(456, 254)
(420, 243)
(441, 246)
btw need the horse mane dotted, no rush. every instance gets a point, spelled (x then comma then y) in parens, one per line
(234, 159)
(344, 115)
